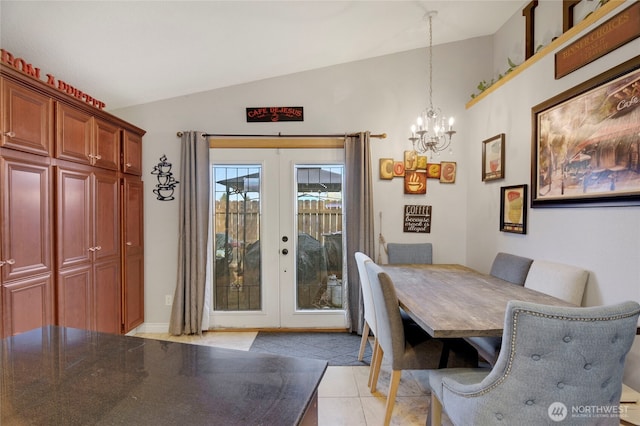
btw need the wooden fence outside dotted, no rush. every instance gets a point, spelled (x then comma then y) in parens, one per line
(317, 218)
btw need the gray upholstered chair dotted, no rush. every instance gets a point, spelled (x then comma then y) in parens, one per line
(565, 282)
(510, 267)
(513, 269)
(406, 345)
(369, 312)
(410, 253)
(553, 359)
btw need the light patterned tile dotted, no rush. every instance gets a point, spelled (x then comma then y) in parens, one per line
(338, 382)
(407, 411)
(341, 411)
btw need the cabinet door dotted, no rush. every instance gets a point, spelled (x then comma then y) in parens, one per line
(75, 218)
(27, 304)
(75, 297)
(26, 122)
(133, 237)
(26, 217)
(106, 149)
(74, 134)
(106, 211)
(106, 305)
(132, 153)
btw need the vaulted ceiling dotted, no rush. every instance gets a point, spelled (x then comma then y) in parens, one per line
(132, 52)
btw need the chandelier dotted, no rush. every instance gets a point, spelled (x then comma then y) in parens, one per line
(432, 132)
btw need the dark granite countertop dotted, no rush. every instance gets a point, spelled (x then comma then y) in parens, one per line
(64, 376)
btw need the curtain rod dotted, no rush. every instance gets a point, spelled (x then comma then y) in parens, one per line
(280, 135)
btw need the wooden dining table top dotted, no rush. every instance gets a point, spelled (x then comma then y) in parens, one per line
(457, 301)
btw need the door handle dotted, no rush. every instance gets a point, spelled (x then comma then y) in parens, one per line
(285, 252)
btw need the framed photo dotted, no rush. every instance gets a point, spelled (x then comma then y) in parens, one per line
(585, 143)
(513, 209)
(448, 171)
(493, 158)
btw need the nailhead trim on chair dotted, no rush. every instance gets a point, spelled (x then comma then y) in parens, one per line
(513, 340)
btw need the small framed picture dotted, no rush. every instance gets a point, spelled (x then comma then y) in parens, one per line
(448, 171)
(513, 209)
(493, 158)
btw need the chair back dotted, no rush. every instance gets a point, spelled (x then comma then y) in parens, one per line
(390, 331)
(410, 253)
(367, 298)
(510, 267)
(565, 282)
(552, 357)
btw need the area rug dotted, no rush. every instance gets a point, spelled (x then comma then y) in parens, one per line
(335, 348)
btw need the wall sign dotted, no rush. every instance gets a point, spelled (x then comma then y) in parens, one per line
(269, 114)
(615, 32)
(417, 219)
(34, 72)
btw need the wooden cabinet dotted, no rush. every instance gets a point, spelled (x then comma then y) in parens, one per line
(88, 246)
(82, 138)
(133, 249)
(26, 265)
(27, 118)
(70, 212)
(132, 153)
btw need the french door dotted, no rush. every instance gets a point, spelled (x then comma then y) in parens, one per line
(277, 221)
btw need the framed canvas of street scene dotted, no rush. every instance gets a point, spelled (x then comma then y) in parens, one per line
(586, 143)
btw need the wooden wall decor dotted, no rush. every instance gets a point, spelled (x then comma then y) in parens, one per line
(617, 31)
(273, 114)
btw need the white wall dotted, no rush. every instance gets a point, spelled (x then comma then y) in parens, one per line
(605, 241)
(384, 95)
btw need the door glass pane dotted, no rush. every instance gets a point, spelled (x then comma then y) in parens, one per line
(319, 226)
(237, 238)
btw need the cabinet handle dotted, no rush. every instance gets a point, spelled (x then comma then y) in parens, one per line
(10, 261)
(127, 164)
(129, 243)
(97, 157)
(10, 134)
(92, 249)
(97, 248)
(91, 156)
(2, 262)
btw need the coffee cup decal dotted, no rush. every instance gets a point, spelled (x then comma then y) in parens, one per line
(166, 182)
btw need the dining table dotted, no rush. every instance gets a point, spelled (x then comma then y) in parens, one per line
(450, 300)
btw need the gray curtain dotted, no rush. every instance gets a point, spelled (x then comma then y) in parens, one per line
(189, 297)
(359, 220)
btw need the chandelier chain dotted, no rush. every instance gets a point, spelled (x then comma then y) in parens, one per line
(430, 62)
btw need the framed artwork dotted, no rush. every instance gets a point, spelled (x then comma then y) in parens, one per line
(410, 160)
(448, 171)
(513, 209)
(415, 182)
(493, 158)
(585, 144)
(386, 168)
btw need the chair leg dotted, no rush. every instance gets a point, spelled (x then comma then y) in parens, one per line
(363, 341)
(435, 411)
(376, 366)
(444, 355)
(374, 357)
(391, 398)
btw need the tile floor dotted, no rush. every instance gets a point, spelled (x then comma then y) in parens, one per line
(343, 395)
